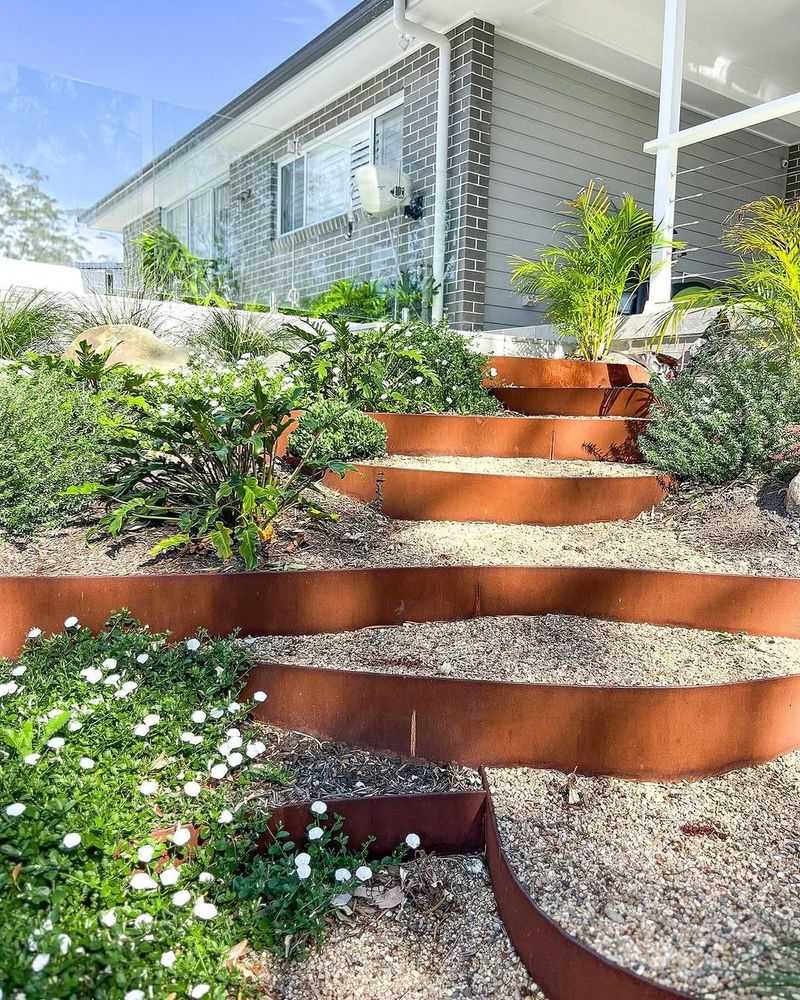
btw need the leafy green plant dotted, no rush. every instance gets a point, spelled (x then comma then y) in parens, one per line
(364, 300)
(411, 368)
(170, 270)
(335, 432)
(50, 432)
(30, 319)
(408, 291)
(761, 301)
(212, 471)
(606, 251)
(727, 416)
(230, 334)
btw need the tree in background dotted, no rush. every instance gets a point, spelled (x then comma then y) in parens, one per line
(32, 226)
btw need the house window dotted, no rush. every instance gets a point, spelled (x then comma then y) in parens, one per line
(222, 221)
(176, 221)
(202, 222)
(320, 183)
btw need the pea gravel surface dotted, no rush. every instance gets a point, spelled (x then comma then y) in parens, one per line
(692, 884)
(533, 467)
(445, 942)
(549, 649)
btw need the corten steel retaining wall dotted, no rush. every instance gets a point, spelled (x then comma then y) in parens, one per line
(433, 495)
(554, 373)
(512, 437)
(622, 402)
(464, 823)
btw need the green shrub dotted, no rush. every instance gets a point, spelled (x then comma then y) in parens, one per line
(397, 368)
(335, 432)
(364, 301)
(725, 417)
(229, 335)
(208, 468)
(29, 320)
(49, 436)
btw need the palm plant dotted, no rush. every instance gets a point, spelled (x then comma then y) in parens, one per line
(761, 300)
(607, 250)
(169, 269)
(30, 319)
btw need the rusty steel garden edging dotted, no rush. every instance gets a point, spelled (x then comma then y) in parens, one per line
(421, 494)
(565, 438)
(562, 373)
(620, 402)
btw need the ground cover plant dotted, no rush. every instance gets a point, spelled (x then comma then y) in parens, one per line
(729, 415)
(399, 368)
(129, 826)
(332, 431)
(373, 301)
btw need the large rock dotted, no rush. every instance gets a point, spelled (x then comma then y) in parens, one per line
(132, 345)
(793, 497)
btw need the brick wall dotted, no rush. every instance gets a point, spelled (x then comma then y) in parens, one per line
(144, 224)
(793, 174)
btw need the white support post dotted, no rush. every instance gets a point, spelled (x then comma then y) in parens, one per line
(669, 121)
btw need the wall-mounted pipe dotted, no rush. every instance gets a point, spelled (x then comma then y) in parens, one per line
(442, 42)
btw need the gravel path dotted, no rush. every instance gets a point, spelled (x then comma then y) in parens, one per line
(551, 649)
(539, 467)
(692, 884)
(446, 943)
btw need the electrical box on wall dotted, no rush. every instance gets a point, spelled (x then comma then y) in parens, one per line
(383, 190)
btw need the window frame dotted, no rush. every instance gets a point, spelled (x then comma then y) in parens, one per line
(367, 120)
(183, 204)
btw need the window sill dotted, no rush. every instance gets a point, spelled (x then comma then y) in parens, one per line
(318, 229)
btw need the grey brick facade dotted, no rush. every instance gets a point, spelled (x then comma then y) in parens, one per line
(793, 174)
(148, 222)
(266, 263)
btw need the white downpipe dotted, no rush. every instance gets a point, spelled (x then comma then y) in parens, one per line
(442, 42)
(669, 120)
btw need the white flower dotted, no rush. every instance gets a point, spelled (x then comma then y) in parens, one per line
(169, 876)
(234, 742)
(168, 959)
(260, 696)
(302, 859)
(192, 789)
(34, 633)
(234, 707)
(148, 787)
(318, 808)
(70, 622)
(364, 873)
(205, 877)
(255, 749)
(141, 730)
(134, 995)
(112, 680)
(234, 733)
(218, 771)
(315, 833)
(142, 658)
(56, 742)
(145, 853)
(143, 920)
(74, 725)
(217, 713)
(64, 943)
(203, 910)
(181, 897)
(493, 372)
(181, 836)
(199, 991)
(151, 719)
(86, 763)
(18, 671)
(71, 841)
(413, 841)
(15, 809)
(109, 664)
(108, 919)
(10, 687)
(192, 645)
(141, 880)
(191, 738)
(40, 962)
(32, 758)
(199, 716)
(92, 674)
(235, 759)
(303, 871)
(342, 875)
(226, 816)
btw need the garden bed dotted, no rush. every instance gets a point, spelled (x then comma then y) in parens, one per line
(547, 649)
(688, 884)
(447, 940)
(527, 467)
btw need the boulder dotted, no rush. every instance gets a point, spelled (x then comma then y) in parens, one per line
(132, 345)
(793, 497)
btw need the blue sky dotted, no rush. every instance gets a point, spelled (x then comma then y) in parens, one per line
(73, 75)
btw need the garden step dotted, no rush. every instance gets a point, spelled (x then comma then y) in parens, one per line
(562, 373)
(591, 439)
(630, 401)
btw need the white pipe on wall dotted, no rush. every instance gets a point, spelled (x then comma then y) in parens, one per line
(442, 42)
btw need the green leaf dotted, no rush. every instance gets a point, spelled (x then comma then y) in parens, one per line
(54, 725)
(249, 543)
(84, 490)
(222, 540)
(168, 544)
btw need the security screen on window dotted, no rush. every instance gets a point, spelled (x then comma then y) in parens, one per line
(388, 141)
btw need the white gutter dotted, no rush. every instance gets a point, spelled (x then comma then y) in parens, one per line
(442, 42)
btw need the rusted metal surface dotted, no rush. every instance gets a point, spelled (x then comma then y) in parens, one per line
(433, 495)
(655, 734)
(512, 437)
(296, 603)
(447, 822)
(565, 373)
(561, 965)
(620, 402)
